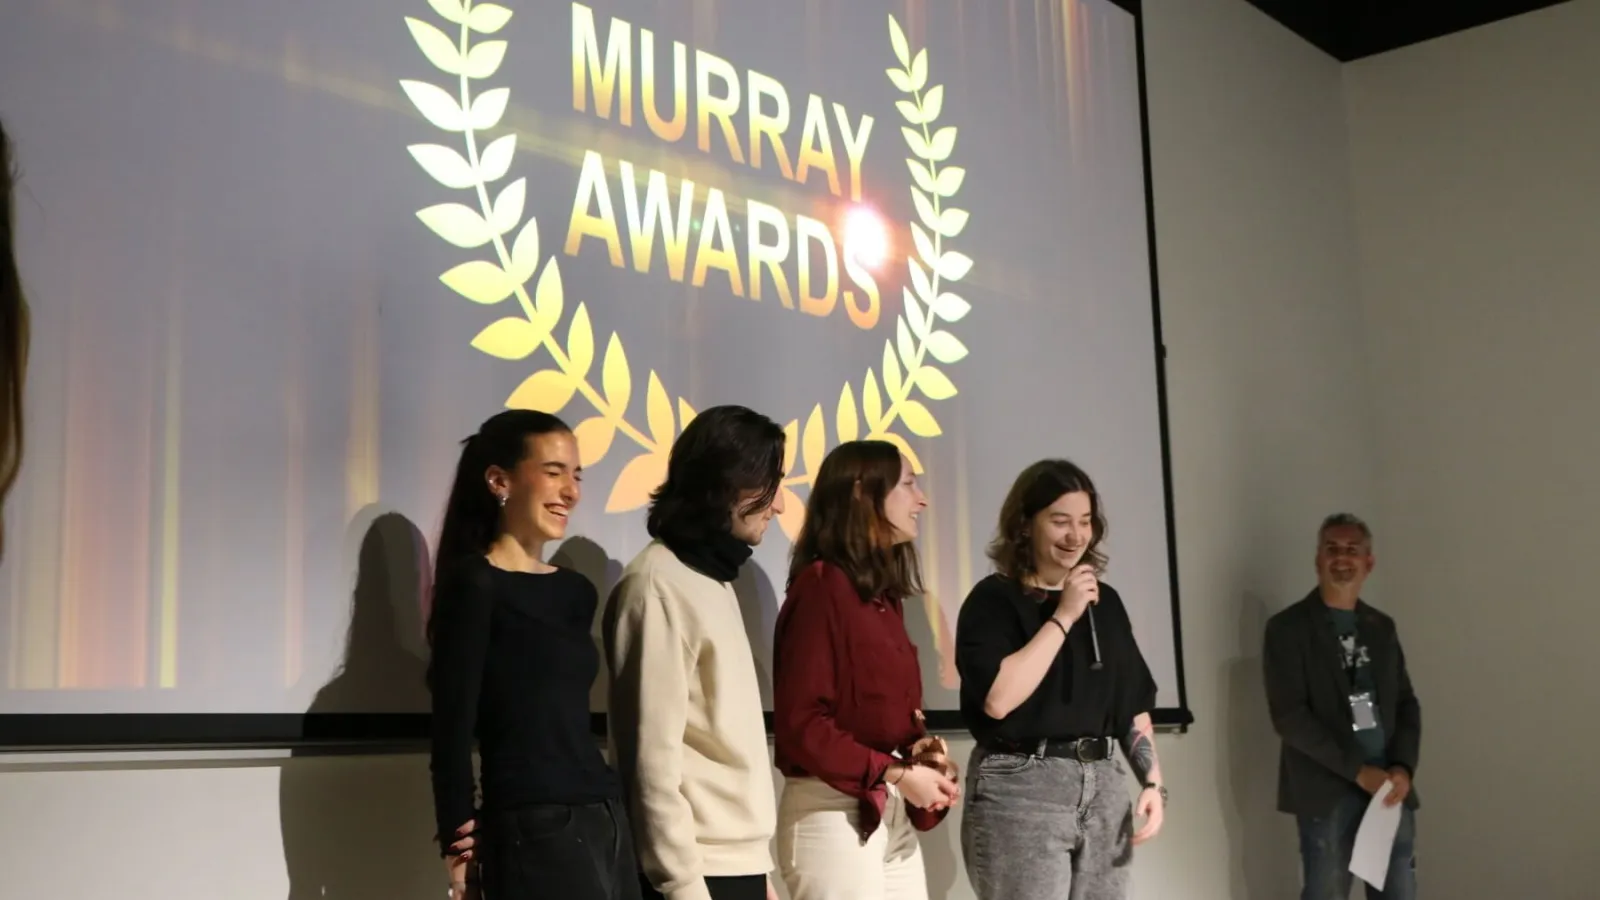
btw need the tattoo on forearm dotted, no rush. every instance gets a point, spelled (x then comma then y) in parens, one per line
(1140, 747)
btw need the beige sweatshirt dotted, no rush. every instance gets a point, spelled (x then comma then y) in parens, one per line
(686, 726)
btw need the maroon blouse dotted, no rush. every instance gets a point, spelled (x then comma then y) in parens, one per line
(847, 690)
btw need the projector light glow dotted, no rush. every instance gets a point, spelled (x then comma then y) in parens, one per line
(866, 236)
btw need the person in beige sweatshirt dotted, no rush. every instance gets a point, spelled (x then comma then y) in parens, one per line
(686, 726)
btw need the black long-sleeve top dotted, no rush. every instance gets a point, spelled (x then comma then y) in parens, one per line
(513, 661)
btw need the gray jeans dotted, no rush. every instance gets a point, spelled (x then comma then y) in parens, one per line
(1037, 828)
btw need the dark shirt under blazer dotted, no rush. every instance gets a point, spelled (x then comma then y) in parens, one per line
(1308, 695)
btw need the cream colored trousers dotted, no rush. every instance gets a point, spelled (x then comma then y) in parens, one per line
(821, 856)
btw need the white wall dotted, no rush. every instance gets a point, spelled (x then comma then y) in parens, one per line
(1477, 186)
(1270, 430)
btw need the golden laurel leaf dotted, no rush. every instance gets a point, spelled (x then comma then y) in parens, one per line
(480, 281)
(510, 338)
(658, 411)
(439, 108)
(918, 420)
(871, 401)
(508, 206)
(436, 46)
(793, 517)
(594, 436)
(580, 342)
(845, 424)
(488, 108)
(515, 261)
(897, 40)
(457, 223)
(445, 165)
(919, 70)
(953, 265)
(915, 315)
(488, 18)
(946, 348)
(549, 298)
(615, 378)
(525, 253)
(813, 441)
(934, 384)
(791, 446)
(949, 181)
(496, 160)
(484, 59)
(951, 307)
(544, 391)
(450, 10)
(952, 221)
(891, 370)
(641, 476)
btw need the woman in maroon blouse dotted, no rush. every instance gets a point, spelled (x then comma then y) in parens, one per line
(862, 776)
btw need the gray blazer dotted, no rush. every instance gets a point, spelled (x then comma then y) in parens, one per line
(1308, 695)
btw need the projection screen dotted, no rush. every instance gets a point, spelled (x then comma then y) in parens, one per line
(283, 257)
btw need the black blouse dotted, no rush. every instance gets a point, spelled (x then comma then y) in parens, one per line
(513, 660)
(1073, 701)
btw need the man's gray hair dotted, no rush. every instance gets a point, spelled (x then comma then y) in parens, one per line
(1344, 520)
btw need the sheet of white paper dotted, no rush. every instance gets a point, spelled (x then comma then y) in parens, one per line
(1375, 839)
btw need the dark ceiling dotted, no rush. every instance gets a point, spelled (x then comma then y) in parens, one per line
(1351, 29)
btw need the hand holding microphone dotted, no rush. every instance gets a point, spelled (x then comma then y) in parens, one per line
(1078, 597)
(1081, 591)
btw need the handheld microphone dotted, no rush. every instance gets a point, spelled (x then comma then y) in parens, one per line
(1094, 636)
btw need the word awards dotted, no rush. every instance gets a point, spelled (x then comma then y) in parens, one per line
(652, 208)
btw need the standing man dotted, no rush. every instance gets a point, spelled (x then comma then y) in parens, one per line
(1341, 699)
(687, 731)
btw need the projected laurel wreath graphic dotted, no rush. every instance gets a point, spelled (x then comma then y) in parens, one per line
(895, 395)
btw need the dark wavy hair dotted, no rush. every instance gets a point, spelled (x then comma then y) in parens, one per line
(1040, 485)
(472, 514)
(846, 526)
(13, 332)
(723, 452)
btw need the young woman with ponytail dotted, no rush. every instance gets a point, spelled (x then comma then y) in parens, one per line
(513, 661)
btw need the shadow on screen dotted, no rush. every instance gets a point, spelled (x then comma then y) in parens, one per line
(758, 605)
(590, 560)
(359, 827)
(1266, 859)
(936, 661)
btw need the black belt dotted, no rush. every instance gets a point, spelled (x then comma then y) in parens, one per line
(1089, 749)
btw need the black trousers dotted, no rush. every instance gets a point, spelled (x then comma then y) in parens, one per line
(559, 852)
(728, 887)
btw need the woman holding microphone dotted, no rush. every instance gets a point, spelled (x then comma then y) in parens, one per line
(1052, 682)
(862, 776)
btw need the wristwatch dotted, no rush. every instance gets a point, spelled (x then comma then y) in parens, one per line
(1160, 789)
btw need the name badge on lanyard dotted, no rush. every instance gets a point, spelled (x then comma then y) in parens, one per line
(1363, 711)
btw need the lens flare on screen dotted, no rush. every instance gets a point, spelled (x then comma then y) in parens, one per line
(866, 236)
